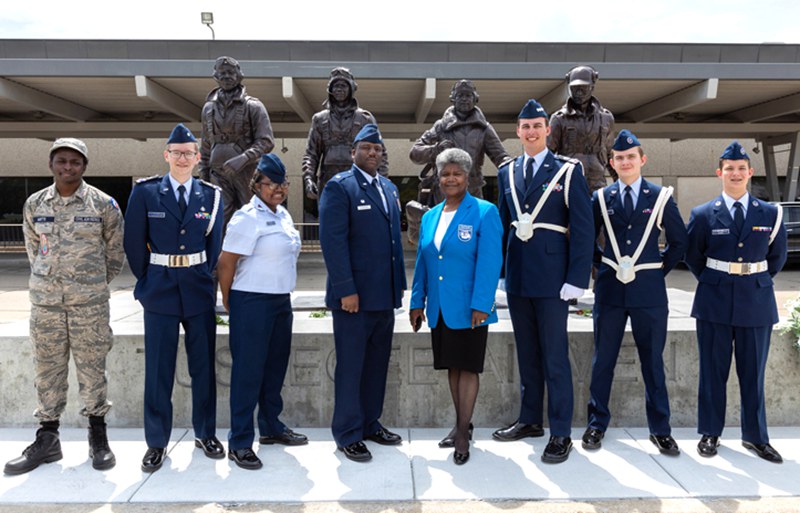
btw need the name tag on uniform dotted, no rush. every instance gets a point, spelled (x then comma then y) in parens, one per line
(721, 231)
(88, 219)
(364, 207)
(157, 215)
(44, 219)
(270, 223)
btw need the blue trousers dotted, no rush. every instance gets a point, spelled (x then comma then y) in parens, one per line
(717, 343)
(540, 331)
(363, 347)
(160, 354)
(260, 341)
(649, 326)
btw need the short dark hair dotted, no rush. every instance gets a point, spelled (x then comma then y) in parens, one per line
(723, 160)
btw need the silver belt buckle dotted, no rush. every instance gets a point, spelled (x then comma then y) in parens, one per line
(179, 260)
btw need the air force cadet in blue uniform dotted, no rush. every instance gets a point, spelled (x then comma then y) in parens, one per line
(630, 284)
(172, 247)
(359, 223)
(737, 244)
(541, 197)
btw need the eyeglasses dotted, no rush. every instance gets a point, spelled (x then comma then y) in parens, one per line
(178, 154)
(274, 186)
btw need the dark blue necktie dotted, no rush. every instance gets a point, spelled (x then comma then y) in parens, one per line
(377, 186)
(529, 173)
(628, 201)
(738, 216)
(182, 199)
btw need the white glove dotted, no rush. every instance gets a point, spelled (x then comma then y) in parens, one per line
(501, 284)
(570, 292)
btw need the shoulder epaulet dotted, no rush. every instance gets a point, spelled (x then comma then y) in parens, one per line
(566, 159)
(342, 175)
(506, 162)
(149, 178)
(208, 184)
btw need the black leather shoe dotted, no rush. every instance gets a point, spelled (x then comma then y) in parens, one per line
(666, 444)
(591, 439)
(557, 449)
(45, 449)
(459, 458)
(356, 451)
(385, 437)
(245, 458)
(288, 437)
(450, 440)
(764, 451)
(707, 446)
(518, 431)
(211, 447)
(153, 459)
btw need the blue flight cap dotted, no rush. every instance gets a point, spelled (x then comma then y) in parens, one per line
(369, 133)
(272, 167)
(532, 110)
(734, 151)
(625, 140)
(181, 134)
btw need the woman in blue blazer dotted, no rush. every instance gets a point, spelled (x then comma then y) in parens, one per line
(455, 277)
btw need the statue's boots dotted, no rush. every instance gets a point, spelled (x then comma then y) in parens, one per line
(45, 449)
(99, 451)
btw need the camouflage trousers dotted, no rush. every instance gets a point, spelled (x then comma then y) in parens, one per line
(57, 331)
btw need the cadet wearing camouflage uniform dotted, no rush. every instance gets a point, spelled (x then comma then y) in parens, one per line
(330, 139)
(73, 235)
(236, 132)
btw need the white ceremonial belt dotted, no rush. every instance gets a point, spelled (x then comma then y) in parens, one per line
(178, 260)
(737, 268)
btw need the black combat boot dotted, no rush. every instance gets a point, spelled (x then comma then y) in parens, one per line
(99, 451)
(45, 449)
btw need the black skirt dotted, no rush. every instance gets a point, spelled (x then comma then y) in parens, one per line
(459, 349)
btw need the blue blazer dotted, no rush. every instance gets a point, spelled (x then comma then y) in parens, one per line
(746, 301)
(157, 226)
(540, 266)
(462, 275)
(649, 287)
(361, 243)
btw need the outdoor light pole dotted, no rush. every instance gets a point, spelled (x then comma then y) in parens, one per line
(207, 18)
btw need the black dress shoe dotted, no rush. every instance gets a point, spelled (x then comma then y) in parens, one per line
(356, 451)
(46, 448)
(764, 451)
(557, 449)
(385, 437)
(245, 458)
(707, 446)
(288, 437)
(591, 439)
(459, 458)
(153, 459)
(211, 447)
(518, 431)
(666, 444)
(450, 440)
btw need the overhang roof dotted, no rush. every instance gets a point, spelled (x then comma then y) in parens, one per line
(140, 89)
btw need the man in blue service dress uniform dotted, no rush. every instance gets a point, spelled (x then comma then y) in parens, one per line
(359, 223)
(737, 244)
(631, 285)
(541, 197)
(172, 247)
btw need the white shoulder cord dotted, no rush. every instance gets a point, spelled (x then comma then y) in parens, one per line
(526, 232)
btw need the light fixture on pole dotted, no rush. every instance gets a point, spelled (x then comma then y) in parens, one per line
(207, 18)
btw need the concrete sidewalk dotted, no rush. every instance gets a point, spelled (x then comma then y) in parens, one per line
(626, 474)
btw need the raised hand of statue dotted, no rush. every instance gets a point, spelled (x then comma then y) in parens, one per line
(444, 144)
(311, 189)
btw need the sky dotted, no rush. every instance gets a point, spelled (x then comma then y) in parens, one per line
(602, 21)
